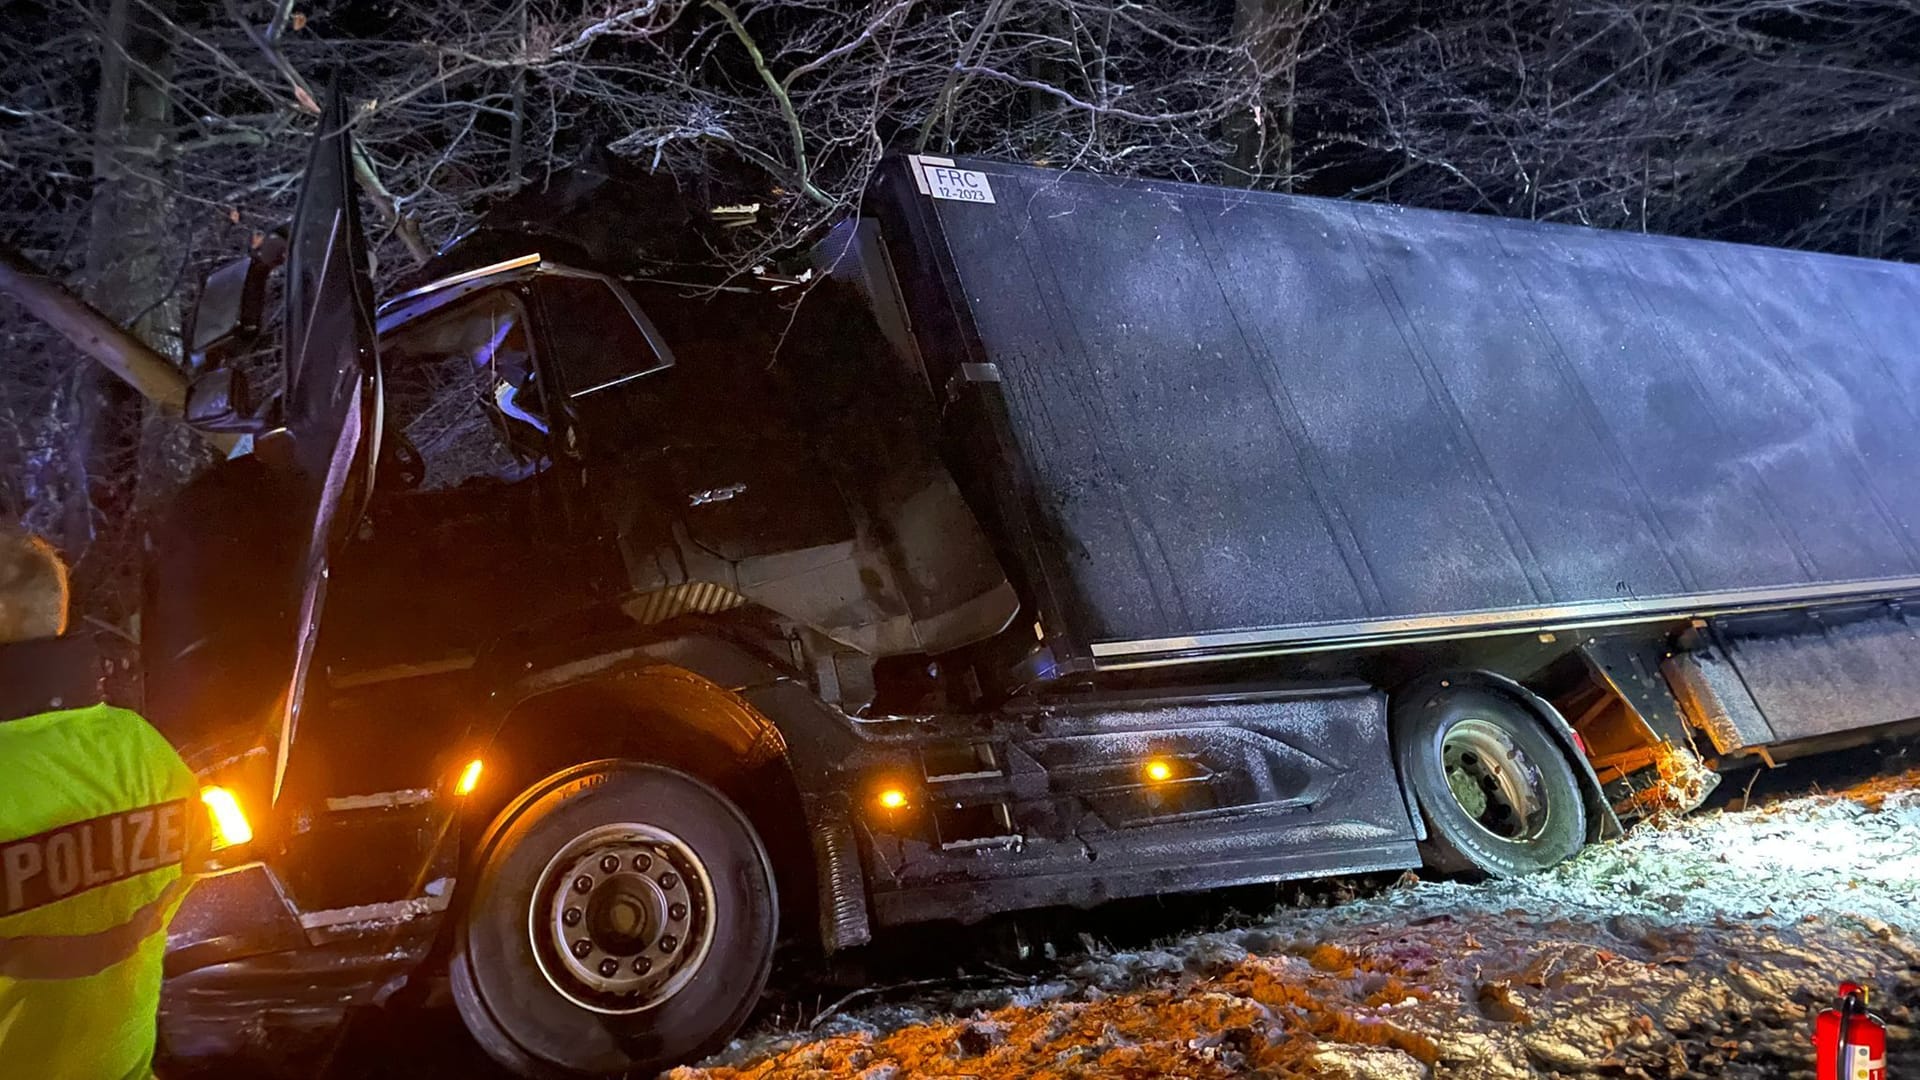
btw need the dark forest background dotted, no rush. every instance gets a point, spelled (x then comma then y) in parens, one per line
(144, 140)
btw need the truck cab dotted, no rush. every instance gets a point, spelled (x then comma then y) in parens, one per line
(521, 521)
(553, 452)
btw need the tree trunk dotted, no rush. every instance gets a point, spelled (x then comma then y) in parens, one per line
(516, 131)
(1049, 66)
(1269, 31)
(129, 280)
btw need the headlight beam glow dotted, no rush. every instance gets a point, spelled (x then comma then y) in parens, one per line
(230, 825)
(469, 778)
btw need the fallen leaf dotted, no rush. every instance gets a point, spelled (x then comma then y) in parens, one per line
(1497, 1002)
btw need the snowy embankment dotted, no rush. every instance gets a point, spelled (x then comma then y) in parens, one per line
(1697, 948)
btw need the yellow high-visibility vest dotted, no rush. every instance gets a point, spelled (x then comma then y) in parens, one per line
(96, 812)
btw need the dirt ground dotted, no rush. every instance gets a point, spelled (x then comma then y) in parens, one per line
(1698, 948)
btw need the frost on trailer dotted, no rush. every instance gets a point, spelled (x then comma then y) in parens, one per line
(1245, 419)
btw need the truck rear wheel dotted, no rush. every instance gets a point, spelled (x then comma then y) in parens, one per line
(1498, 796)
(622, 921)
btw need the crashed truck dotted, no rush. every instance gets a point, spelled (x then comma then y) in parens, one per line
(579, 640)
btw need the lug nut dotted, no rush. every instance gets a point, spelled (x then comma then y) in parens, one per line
(668, 943)
(609, 967)
(669, 879)
(581, 948)
(642, 965)
(582, 883)
(642, 862)
(571, 916)
(676, 911)
(609, 863)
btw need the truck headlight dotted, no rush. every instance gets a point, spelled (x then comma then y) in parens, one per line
(227, 821)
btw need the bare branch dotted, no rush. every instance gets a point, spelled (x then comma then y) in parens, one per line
(779, 92)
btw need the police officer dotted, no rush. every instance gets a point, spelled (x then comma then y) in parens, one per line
(97, 815)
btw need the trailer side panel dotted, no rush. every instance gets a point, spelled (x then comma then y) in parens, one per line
(1244, 418)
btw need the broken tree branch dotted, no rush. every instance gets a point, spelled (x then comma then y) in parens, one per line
(157, 380)
(389, 206)
(93, 333)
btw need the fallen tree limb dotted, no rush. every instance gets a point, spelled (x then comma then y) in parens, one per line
(93, 333)
(139, 366)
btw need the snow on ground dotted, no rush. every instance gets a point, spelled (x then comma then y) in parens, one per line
(1697, 948)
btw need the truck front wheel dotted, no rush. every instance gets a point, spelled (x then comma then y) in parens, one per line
(622, 921)
(1498, 796)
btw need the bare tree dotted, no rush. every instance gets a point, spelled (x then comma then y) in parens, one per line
(1783, 121)
(1273, 35)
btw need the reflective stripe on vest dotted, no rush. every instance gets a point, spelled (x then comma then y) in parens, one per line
(76, 956)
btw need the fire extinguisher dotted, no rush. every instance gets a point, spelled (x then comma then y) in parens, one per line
(1850, 1043)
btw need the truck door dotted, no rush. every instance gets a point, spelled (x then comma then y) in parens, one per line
(239, 561)
(467, 537)
(472, 530)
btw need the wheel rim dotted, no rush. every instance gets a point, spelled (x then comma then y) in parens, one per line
(1493, 782)
(622, 918)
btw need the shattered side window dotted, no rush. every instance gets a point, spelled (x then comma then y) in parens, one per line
(461, 388)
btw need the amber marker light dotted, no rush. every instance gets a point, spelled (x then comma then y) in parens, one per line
(892, 798)
(223, 812)
(469, 778)
(1158, 770)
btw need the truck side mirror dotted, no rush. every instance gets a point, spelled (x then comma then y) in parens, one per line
(226, 314)
(220, 402)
